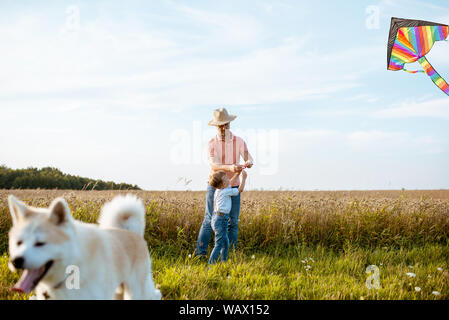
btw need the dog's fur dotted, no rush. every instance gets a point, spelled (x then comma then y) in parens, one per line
(112, 257)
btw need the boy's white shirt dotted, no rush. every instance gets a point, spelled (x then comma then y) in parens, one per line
(222, 199)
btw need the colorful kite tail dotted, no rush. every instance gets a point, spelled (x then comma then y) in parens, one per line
(436, 78)
(413, 71)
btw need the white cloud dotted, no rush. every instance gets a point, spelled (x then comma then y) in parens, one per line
(376, 142)
(363, 97)
(102, 64)
(393, 143)
(437, 108)
(232, 29)
(330, 159)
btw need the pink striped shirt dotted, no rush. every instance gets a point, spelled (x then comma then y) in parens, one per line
(226, 152)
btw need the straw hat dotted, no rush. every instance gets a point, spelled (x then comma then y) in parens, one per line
(221, 117)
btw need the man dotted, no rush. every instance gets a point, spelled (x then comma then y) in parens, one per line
(224, 152)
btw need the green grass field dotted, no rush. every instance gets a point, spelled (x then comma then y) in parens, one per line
(292, 245)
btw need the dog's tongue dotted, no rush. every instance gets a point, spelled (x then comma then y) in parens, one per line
(26, 281)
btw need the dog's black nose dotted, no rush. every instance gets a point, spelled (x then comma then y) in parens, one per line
(18, 262)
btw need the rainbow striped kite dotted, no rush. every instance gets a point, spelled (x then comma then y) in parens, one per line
(410, 41)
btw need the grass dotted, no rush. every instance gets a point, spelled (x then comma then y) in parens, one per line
(292, 245)
(289, 273)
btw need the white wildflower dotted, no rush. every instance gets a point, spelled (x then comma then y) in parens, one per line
(411, 274)
(417, 289)
(436, 293)
(440, 269)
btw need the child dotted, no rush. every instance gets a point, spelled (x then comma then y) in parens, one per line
(222, 207)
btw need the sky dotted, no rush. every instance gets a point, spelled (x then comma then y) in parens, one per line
(124, 92)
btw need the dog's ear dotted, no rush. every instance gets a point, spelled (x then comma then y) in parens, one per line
(59, 212)
(17, 209)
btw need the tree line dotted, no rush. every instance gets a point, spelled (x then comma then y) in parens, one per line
(53, 178)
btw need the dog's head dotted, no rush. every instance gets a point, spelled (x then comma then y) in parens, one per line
(39, 238)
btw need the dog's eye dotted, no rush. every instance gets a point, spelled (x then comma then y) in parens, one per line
(19, 243)
(39, 244)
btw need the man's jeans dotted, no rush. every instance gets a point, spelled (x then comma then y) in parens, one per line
(206, 228)
(219, 224)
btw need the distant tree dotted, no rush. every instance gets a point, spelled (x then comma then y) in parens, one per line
(53, 178)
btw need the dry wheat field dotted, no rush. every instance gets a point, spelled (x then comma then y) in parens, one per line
(292, 244)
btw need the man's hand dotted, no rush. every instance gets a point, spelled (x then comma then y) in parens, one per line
(248, 164)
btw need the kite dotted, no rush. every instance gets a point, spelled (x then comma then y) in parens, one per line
(410, 41)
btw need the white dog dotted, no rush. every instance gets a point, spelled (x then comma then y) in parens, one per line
(111, 260)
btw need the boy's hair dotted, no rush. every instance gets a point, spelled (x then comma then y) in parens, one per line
(216, 179)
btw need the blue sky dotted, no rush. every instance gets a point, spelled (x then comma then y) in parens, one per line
(124, 93)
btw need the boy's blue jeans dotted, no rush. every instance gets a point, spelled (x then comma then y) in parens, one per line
(206, 228)
(220, 226)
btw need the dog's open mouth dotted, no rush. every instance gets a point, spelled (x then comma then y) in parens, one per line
(31, 277)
